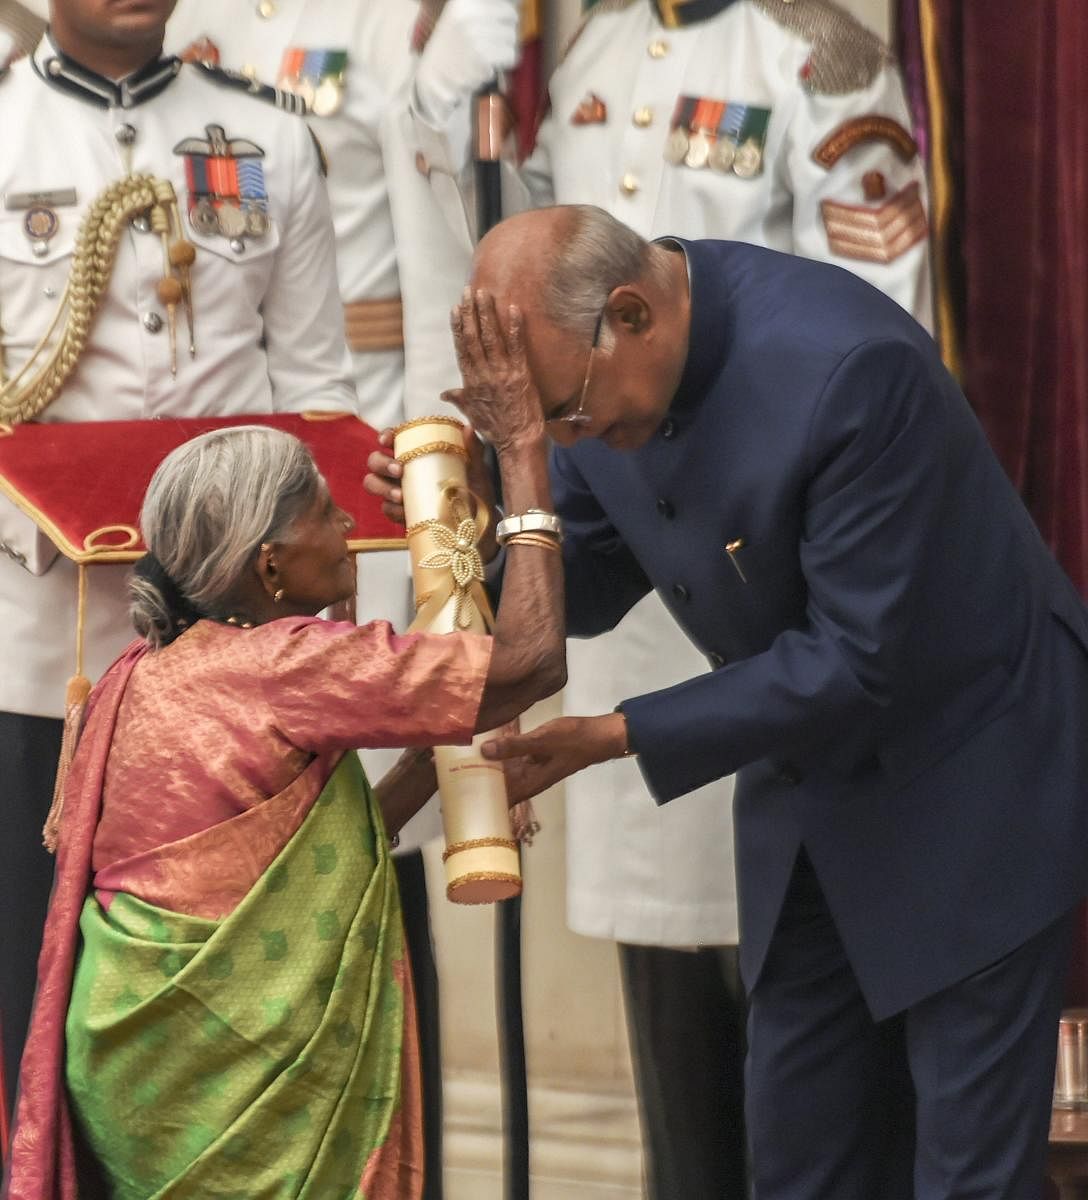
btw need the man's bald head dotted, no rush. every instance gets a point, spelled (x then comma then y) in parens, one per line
(562, 263)
(513, 261)
(591, 291)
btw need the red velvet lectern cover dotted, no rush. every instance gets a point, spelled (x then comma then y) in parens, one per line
(83, 483)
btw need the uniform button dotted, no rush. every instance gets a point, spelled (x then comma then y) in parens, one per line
(668, 428)
(249, 71)
(49, 292)
(152, 322)
(628, 184)
(141, 224)
(238, 245)
(717, 661)
(266, 9)
(665, 508)
(54, 67)
(681, 593)
(658, 48)
(643, 117)
(125, 134)
(39, 249)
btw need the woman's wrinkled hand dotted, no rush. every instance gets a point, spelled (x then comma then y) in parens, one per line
(384, 474)
(498, 396)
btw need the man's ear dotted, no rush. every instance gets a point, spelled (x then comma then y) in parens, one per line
(628, 307)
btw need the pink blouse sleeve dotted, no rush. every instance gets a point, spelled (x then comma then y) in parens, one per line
(332, 685)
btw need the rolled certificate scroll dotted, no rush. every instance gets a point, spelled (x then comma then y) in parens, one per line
(481, 856)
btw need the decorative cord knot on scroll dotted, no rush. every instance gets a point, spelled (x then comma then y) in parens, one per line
(457, 534)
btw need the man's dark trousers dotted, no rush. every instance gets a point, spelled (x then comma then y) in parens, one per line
(835, 1100)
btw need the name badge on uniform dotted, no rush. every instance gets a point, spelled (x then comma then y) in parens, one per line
(315, 75)
(41, 219)
(227, 193)
(722, 136)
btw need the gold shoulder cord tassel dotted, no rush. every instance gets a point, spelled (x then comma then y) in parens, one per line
(75, 705)
(28, 392)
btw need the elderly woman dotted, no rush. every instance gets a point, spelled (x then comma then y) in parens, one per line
(224, 1004)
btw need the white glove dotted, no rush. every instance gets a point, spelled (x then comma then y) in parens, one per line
(471, 42)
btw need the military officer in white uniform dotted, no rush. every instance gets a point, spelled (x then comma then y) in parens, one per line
(351, 63)
(254, 327)
(778, 122)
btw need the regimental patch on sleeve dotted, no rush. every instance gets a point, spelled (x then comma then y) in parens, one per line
(259, 91)
(881, 234)
(846, 56)
(859, 130)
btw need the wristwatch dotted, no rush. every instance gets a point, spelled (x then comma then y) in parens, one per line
(532, 520)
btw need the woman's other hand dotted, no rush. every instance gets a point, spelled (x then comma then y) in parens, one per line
(384, 473)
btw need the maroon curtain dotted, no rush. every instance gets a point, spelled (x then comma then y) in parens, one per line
(1013, 83)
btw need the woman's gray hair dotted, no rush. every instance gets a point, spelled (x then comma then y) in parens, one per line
(208, 508)
(598, 254)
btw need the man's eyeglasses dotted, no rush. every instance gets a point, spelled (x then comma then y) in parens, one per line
(580, 416)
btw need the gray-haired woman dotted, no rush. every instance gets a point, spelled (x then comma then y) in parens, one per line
(239, 1020)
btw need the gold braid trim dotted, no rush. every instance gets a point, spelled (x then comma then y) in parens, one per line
(440, 420)
(432, 448)
(22, 399)
(478, 844)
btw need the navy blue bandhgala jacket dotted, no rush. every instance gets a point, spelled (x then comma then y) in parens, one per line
(901, 668)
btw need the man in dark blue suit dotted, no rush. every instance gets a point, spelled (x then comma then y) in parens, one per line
(900, 680)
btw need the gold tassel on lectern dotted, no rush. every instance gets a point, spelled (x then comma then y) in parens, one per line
(75, 705)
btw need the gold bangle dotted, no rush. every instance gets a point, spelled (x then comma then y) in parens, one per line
(543, 540)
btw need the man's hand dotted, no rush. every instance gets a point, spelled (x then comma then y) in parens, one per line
(535, 761)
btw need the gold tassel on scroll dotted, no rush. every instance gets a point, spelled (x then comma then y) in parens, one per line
(481, 858)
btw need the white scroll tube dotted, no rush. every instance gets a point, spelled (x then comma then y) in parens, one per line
(481, 856)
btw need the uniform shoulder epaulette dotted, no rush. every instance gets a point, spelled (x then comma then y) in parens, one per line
(598, 9)
(846, 56)
(288, 101)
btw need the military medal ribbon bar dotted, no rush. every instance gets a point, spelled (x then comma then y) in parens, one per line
(726, 137)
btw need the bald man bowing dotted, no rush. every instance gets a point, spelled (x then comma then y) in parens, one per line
(900, 678)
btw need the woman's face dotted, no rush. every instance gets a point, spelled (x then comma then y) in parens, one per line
(314, 568)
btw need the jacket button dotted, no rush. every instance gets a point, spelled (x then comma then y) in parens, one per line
(152, 322)
(668, 428)
(716, 660)
(665, 508)
(681, 593)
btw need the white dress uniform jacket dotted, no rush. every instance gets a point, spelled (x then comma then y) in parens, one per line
(268, 328)
(788, 75)
(391, 239)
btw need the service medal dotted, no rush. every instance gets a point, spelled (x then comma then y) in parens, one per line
(721, 155)
(328, 98)
(257, 222)
(698, 149)
(231, 219)
(748, 161)
(676, 146)
(203, 218)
